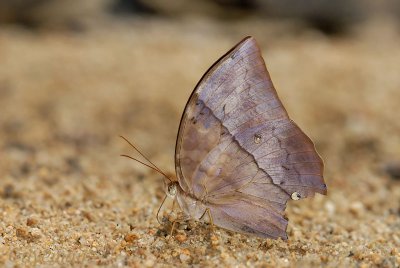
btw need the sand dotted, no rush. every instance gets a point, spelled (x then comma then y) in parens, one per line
(67, 198)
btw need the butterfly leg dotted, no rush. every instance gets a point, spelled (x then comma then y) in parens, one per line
(172, 228)
(210, 218)
(178, 221)
(175, 220)
(213, 238)
(173, 204)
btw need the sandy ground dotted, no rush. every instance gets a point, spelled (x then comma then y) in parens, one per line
(68, 198)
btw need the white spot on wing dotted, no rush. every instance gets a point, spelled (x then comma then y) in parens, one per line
(257, 138)
(296, 196)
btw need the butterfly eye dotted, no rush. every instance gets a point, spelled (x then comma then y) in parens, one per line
(257, 138)
(172, 189)
(296, 196)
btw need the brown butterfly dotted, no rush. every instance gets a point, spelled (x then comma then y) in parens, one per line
(239, 157)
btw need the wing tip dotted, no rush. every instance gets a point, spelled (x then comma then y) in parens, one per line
(245, 40)
(249, 37)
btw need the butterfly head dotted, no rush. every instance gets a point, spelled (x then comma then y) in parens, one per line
(172, 189)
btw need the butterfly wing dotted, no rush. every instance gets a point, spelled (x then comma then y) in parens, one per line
(238, 151)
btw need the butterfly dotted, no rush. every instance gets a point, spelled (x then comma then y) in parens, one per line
(239, 157)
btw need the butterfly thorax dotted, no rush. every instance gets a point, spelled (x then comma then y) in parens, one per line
(191, 206)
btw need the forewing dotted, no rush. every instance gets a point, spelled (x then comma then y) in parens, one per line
(236, 97)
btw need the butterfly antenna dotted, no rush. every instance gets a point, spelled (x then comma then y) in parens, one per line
(130, 157)
(152, 166)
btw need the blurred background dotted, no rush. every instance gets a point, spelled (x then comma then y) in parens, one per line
(76, 74)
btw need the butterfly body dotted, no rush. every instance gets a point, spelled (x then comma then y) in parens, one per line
(238, 154)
